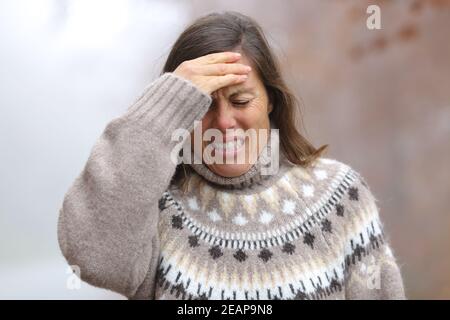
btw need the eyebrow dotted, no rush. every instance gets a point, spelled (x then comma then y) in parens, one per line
(241, 90)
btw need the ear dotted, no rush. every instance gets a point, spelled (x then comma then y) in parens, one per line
(270, 108)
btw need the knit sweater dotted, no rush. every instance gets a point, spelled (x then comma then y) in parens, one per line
(303, 233)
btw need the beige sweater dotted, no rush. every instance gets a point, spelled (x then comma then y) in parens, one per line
(302, 233)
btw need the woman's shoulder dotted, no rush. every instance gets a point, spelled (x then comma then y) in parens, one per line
(324, 172)
(328, 165)
(328, 178)
(348, 182)
(323, 167)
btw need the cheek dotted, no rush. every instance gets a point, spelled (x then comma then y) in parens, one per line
(256, 116)
(207, 120)
(204, 124)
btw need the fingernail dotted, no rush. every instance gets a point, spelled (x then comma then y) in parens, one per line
(237, 54)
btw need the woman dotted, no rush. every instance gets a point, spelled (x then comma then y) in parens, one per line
(137, 222)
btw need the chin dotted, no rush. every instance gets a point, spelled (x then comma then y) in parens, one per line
(229, 170)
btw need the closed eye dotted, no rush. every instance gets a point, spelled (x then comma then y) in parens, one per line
(241, 103)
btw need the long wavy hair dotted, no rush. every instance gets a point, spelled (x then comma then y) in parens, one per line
(231, 31)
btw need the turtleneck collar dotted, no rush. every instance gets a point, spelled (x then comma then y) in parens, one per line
(267, 166)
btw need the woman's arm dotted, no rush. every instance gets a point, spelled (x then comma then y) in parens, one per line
(372, 270)
(108, 220)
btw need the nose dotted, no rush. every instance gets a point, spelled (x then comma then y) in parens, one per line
(223, 116)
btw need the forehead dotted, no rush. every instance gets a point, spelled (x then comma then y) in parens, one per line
(239, 89)
(252, 85)
(248, 86)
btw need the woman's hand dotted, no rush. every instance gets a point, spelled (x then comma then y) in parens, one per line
(214, 71)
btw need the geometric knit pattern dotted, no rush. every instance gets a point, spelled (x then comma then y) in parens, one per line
(304, 233)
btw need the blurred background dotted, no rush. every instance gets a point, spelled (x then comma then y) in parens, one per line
(379, 98)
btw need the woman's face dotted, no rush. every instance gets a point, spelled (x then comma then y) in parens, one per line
(241, 114)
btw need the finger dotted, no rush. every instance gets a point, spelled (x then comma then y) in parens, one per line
(220, 69)
(219, 57)
(227, 80)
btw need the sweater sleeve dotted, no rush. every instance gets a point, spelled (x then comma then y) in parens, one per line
(107, 225)
(372, 270)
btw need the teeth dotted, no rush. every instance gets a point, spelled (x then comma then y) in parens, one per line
(228, 146)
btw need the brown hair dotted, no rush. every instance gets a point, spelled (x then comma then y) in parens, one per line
(228, 31)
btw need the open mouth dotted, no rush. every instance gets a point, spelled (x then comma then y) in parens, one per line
(231, 147)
